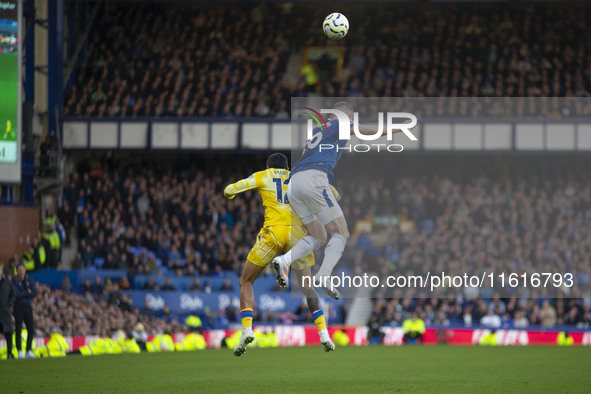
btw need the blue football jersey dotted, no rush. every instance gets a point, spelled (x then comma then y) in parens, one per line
(323, 151)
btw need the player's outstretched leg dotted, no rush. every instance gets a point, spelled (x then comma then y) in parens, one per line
(249, 274)
(314, 305)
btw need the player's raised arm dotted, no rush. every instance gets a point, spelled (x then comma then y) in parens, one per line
(241, 186)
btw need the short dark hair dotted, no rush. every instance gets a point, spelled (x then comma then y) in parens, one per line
(278, 160)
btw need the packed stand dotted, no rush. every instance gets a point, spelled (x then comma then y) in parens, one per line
(466, 50)
(100, 308)
(185, 60)
(466, 214)
(100, 311)
(457, 214)
(144, 215)
(194, 60)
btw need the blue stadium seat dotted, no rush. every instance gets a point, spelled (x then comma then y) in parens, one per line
(99, 261)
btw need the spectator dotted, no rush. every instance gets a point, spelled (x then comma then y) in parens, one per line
(25, 291)
(288, 317)
(166, 314)
(375, 334)
(86, 286)
(139, 334)
(7, 299)
(222, 321)
(227, 285)
(150, 285)
(97, 288)
(168, 285)
(302, 312)
(233, 312)
(114, 294)
(11, 269)
(66, 284)
(414, 328)
(270, 318)
(195, 285)
(467, 316)
(207, 318)
(547, 315)
(124, 283)
(88, 257)
(78, 262)
(147, 310)
(520, 320)
(491, 320)
(572, 317)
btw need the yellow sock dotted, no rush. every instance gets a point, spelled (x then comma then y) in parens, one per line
(246, 316)
(318, 318)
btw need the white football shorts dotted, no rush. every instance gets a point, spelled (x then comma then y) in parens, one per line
(310, 197)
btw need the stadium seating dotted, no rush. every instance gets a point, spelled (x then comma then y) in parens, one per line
(488, 50)
(443, 174)
(445, 50)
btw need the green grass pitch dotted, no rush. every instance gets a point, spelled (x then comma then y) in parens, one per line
(8, 95)
(349, 369)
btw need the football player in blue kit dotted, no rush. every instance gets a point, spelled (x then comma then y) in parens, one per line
(311, 198)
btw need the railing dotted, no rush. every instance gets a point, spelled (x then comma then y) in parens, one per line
(263, 134)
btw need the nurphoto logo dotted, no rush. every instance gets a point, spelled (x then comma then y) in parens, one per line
(392, 125)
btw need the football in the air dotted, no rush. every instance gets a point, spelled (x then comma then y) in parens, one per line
(335, 26)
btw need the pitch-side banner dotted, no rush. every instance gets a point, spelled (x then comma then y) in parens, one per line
(308, 336)
(186, 302)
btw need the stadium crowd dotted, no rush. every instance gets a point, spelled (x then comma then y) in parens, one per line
(173, 213)
(179, 60)
(191, 60)
(101, 312)
(472, 214)
(496, 213)
(101, 307)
